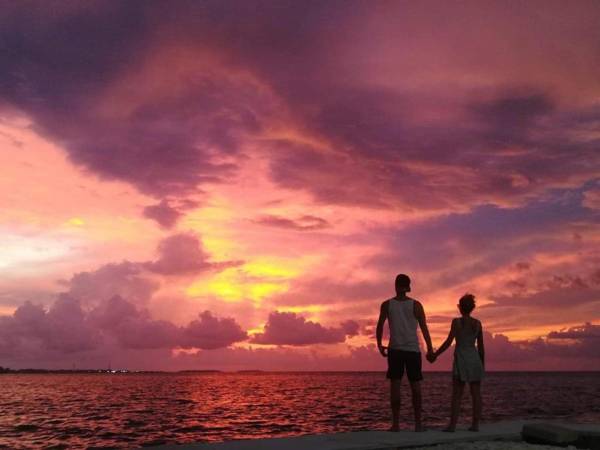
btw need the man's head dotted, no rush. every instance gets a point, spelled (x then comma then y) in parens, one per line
(402, 284)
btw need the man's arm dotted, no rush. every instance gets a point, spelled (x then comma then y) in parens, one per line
(383, 315)
(420, 315)
(480, 344)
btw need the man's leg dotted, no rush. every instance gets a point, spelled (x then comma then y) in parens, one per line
(476, 398)
(415, 375)
(395, 403)
(415, 387)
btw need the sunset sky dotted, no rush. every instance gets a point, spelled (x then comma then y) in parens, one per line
(235, 185)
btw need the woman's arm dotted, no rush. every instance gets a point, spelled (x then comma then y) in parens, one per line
(448, 342)
(480, 348)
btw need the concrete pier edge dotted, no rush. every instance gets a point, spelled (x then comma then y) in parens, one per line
(381, 440)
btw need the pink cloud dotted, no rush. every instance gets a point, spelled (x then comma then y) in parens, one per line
(591, 198)
(166, 213)
(163, 213)
(178, 255)
(209, 332)
(303, 223)
(131, 327)
(287, 328)
(350, 327)
(182, 254)
(119, 330)
(62, 329)
(483, 155)
(66, 328)
(126, 279)
(583, 332)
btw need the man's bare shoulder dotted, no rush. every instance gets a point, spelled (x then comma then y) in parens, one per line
(418, 304)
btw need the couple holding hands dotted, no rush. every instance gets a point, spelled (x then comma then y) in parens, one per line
(403, 353)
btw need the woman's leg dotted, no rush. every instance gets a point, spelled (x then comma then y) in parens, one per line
(476, 397)
(457, 391)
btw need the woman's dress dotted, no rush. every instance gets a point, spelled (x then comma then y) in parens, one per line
(467, 365)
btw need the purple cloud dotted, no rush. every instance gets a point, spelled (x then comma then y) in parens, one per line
(170, 133)
(583, 332)
(182, 254)
(303, 223)
(178, 255)
(290, 329)
(209, 332)
(67, 328)
(164, 214)
(126, 279)
(32, 330)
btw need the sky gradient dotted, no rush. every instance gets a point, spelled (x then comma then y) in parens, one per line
(235, 185)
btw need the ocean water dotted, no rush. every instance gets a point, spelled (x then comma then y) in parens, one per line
(133, 410)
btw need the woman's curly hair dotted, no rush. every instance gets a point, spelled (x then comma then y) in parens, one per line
(466, 304)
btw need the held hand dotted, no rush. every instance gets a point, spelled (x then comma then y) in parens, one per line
(431, 357)
(383, 350)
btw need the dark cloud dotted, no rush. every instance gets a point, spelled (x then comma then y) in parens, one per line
(455, 248)
(62, 71)
(553, 291)
(166, 97)
(291, 329)
(330, 178)
(502, 353)
(303, 223)
(583, 332)
(584, 345)
(504, 153)
(511, 116)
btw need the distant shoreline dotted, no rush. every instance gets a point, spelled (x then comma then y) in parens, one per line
(251, 372)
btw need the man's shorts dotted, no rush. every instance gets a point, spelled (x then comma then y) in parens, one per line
(399, 359)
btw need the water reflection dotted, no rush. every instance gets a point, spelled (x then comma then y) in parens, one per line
(129, 410)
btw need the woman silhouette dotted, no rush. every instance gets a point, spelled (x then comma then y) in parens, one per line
(468, 366)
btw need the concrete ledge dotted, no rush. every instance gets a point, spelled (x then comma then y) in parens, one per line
(365, 440)
(548, 433)
(581, 436)
(381, 440)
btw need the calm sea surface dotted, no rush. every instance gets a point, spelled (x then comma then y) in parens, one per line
(132, 410)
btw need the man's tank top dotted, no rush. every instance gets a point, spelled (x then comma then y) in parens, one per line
(403, 325)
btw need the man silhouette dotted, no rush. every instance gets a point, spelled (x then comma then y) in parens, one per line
(403, 352)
